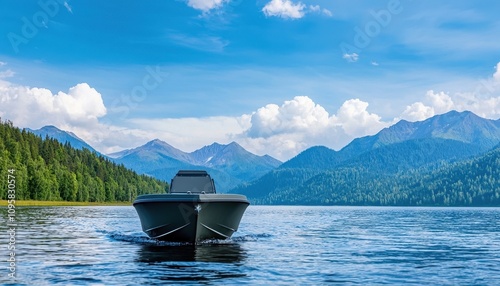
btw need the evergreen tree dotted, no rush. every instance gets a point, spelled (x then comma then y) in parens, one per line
(48, 170)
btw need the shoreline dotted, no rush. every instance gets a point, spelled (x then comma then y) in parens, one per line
(24, 203)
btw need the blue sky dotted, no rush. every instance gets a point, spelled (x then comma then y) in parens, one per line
(276, 76)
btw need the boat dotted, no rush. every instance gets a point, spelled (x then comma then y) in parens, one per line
(191, 211)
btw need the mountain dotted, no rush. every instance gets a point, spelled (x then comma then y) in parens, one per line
(466, 127)
(48, 170)
(234, 160)
(469, 182)
(403, 147)
(458, 126)
(230, 164)
(62, 136)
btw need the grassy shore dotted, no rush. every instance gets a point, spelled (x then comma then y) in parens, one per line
(62, 203)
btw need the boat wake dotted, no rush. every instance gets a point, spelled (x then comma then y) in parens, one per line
(251, 237)
(142, 239)
(137, 238)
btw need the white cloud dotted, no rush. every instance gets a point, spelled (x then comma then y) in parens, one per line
(496, 75)
(298, 115)
(417, 112)
(441, 102)
(483, 101)
(3, 64)
(356, 121)
(351, 57)
(301, 123)
(36, 107)
(284, 9)
(375, 64)
(205, 5)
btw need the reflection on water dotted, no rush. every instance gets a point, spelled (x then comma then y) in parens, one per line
(221, 253)
(192, 263)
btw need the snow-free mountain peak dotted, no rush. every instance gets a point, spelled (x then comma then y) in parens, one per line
(61, 136)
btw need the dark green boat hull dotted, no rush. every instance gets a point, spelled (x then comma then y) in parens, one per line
(190, 217)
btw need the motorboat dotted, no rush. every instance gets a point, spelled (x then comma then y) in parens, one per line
(192, 211)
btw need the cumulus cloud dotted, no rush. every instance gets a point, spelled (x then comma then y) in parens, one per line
(205, 5)
(297, 115)
(355, 119)
(417, 112)
(39, 106)
(301, 123)
(284, 9)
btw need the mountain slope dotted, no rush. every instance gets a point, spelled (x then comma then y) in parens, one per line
(61, 136)
(45, 169)
(469, 182)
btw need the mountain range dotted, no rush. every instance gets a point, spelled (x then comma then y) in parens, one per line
(417, 148)
(229, 165)
(400, 157)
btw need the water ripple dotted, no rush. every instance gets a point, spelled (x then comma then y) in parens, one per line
(274, 245)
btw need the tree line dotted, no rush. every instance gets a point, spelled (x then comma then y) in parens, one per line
(48, 170)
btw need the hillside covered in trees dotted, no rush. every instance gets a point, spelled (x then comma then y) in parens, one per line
(470, 182)
(45, 170)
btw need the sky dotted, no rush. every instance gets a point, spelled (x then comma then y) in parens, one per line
(275, 76)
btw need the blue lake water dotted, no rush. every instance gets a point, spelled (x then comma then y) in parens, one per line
(274, 245)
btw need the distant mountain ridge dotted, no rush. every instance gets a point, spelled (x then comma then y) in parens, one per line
(463, 126)
(62, 136)
(229, 164)
(403, 147)
(466, 127)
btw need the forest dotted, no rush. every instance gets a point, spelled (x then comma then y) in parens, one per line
(47, 170)
(470, 182)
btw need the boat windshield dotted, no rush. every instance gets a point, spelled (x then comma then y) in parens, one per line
(192, 182)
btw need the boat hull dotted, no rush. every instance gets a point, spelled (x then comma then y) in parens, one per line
(190, 217)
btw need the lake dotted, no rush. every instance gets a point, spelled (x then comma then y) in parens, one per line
(287, 245)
